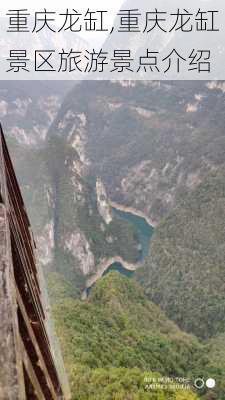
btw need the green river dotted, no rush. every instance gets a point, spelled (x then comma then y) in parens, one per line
(144, 231)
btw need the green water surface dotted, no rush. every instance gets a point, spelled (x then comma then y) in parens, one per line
(144, 232)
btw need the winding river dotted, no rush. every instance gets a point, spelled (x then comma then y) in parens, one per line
(144, 231)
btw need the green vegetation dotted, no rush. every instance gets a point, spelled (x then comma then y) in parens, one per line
(149, 123)
(112, 340)
(152, 154)
(120, 384)
(50, 187)
(59, 288)
(184, 273)
(75, 210)
(119, 237)
(120, 318)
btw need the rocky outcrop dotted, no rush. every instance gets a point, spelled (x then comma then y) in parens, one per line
(45, 244)
(26, 115)
(102, 267)
(103, 203)
(79, 247)
(133, 211)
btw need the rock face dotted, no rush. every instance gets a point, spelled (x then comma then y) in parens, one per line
(27, 109)
(104, 208)
(45, 244)
(74, 229)
(148, 143)
(79, 247)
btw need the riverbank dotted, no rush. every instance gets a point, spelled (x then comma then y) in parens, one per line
(145, 228)
(103, 267)
(133, 211)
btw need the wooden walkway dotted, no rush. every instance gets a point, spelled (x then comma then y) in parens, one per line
(27, 367)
